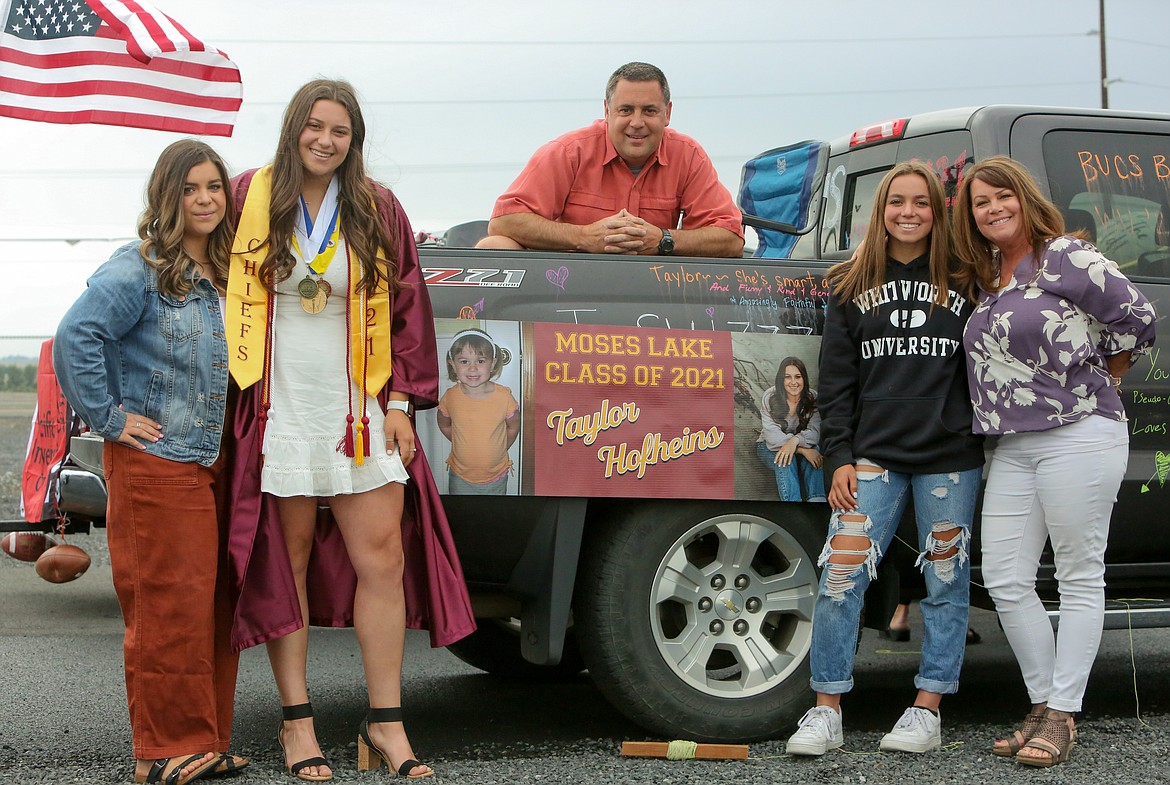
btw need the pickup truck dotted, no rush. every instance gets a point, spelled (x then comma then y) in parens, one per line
(640, 537)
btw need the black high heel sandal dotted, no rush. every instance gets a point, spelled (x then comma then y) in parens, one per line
(897, 634)
(299, 712)
(370, 756)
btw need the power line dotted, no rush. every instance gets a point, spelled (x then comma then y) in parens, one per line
(684, 98)
(1139, 43)
(640, 42)
(1143, 84)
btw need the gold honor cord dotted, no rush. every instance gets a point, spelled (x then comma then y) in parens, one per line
(249, 303)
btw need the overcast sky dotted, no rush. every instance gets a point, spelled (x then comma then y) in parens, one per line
(458, 93)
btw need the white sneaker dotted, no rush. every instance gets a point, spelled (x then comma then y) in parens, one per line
(917, 730)
(818, 731)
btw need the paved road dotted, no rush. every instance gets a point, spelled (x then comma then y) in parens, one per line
(63, 716)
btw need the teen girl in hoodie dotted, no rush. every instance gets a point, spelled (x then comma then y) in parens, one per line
(896, 426)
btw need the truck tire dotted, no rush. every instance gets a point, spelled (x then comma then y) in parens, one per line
(696, 622)
(494, 648)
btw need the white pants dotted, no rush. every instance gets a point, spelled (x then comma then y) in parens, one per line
(1059, 484)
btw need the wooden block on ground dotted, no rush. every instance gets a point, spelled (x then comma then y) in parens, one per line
(658, 749)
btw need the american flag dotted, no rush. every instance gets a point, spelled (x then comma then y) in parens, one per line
(113, 62)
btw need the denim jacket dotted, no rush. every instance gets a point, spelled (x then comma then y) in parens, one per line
(126, 347)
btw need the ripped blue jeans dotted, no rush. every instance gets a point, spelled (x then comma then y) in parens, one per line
(944, 505)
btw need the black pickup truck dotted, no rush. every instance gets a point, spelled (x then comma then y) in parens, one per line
(640, 537)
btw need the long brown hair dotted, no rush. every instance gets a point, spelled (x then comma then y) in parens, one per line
(1040, 219)
(160, 227)
(361, 224)
(778, 405)
(867, 270)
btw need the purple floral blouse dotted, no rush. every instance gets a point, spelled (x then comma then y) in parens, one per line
(1036, 349)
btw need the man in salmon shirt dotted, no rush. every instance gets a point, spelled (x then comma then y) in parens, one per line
(626, 184)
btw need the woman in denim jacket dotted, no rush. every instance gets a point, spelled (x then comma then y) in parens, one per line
(141, 356)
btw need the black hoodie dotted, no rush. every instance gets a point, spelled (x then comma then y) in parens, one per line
(893, 384)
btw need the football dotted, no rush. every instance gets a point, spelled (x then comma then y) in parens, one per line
(62, 563)
(26, 546)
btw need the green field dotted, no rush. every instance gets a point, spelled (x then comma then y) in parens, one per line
(17, 404)
(15, 420)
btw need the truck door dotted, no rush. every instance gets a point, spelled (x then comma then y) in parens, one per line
(850, 184)
(1110, 176)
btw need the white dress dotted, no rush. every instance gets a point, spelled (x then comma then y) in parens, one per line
(306, 422)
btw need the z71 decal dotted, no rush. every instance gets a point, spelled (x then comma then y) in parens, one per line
(459, 276)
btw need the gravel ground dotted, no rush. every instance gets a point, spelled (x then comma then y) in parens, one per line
(59, 643)
(476, 729)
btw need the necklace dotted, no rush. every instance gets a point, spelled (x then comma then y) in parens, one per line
(322, 240)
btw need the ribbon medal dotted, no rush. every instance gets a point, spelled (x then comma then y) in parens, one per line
(313, 289)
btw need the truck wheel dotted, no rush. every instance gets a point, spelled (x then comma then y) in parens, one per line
(494, 647)
(696, 623)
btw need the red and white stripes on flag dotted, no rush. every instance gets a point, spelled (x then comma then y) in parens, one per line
(113, 62)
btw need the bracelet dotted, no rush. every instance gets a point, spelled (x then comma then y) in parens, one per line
(402, 406)
(1116, 382)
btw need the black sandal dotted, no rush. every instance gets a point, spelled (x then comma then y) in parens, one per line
(228, 764)
(299, 712)
(176, 776)
(370, 756)
(896, 634)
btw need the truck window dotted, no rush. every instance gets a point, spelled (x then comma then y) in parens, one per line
(947, 154)
(1115, 187)
(806, 246)
(831, 217)
(849, 197)
(860, 193)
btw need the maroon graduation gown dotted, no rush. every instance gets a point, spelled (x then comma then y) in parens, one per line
(266, 598)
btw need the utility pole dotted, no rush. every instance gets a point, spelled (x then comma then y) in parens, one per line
(1104, 75)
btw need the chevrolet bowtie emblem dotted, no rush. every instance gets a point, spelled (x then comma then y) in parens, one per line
(729, 605)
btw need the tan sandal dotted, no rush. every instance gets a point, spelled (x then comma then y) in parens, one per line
(1007, 748)
(1056, 738)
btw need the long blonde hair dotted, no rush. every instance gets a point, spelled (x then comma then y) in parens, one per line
(1040, 219)
(867, 270)
(160, 227)
(361, 225)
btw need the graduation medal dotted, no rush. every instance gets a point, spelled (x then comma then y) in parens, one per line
(316, 303)
(313, 289)
(308, 287)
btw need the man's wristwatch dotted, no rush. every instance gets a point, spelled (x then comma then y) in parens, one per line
(666, 244)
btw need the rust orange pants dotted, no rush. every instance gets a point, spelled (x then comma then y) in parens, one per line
(166, 523)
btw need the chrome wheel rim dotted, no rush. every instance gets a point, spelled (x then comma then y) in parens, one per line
(731, 606)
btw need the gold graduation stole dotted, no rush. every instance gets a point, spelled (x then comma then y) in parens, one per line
(248, 315)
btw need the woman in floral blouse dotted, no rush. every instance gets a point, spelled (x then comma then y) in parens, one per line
(1056, 328)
